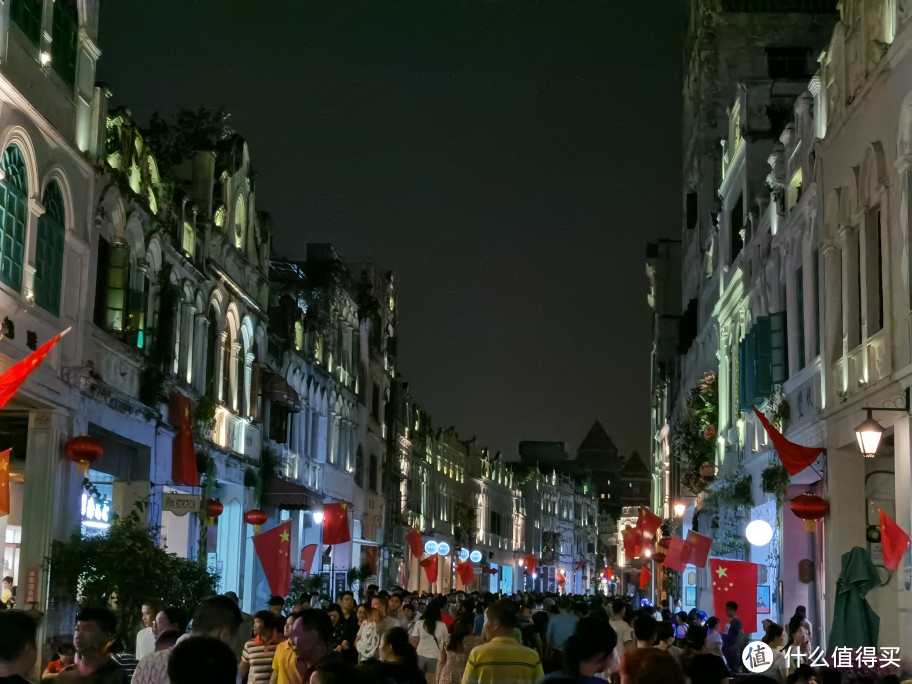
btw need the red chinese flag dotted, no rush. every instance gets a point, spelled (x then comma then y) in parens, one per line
(183, 454)
(794, 457)
(430, 568)
(369, 556)
(16, 374)
(735, 581)
(307, 558)
(633, 540)
(893, 539)
(647, 523)
(4, 482)
(530, 563)
(335, 524)
(274, 550)
(645, 577)
(466, 572)
(414, 541)
(676, 556)
(697, 549)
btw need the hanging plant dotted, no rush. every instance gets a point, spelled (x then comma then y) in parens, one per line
(775, 480)
(780, 412)
(732, 492)
(694, 434)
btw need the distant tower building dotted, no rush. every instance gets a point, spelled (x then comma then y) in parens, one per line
(598, 457)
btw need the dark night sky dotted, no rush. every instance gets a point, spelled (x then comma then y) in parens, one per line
(508, 160)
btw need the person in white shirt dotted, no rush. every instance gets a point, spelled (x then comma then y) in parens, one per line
(145, 638)
(427, 636)
(620, 627)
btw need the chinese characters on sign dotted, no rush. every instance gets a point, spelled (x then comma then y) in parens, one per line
(181, 504)
(31, 586)
(758, 657)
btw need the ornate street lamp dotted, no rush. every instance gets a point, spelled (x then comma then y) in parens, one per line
(868, 435)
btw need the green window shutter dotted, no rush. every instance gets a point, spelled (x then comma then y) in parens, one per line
(64, 44)
(49, 251)
(763, 380)
(746, 359)
(779, 347)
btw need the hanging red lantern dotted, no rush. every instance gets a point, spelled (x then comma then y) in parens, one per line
(810, 507)
(664, 543)
(256, 517)
(214, 509)
(82, 451)
(658, 557)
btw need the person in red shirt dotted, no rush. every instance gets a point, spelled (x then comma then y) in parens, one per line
(65, 656)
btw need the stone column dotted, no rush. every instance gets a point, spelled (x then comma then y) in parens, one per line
(248, 379)
(190, 337)
(234, 388)
(48, 509)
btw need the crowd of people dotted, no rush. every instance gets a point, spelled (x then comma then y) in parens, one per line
(403, 638)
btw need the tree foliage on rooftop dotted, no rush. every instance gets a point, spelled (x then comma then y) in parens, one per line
(177, 137)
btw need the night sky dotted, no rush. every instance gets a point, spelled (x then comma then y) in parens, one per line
(507, 160)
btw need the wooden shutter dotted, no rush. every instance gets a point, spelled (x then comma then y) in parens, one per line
(763, 380)
(779, 347)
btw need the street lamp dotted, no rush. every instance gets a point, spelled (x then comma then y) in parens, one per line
(317, 517)
(758, 532)
(679, 509)
(869, 432)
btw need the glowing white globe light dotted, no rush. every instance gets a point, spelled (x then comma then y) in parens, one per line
(758, 532)
(318, 517)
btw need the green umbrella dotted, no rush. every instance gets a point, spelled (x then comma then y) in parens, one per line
(854, 623)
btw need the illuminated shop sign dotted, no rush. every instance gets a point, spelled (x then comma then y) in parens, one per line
(463, 555)
(95, 513)
(431, 547)
(475, 556)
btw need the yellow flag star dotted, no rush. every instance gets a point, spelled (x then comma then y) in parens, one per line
(284, 536)
(722, 572)
(4, 465)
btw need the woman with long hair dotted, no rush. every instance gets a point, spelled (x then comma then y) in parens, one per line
(699, 665)
(398, 661)
(587, 653)
(427, 636)
(713, 638)
(775, 639)
(454, 652)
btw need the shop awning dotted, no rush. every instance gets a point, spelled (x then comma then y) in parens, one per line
(278, 391)
(289, 496)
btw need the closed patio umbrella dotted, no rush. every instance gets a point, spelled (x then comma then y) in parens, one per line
(855, 624)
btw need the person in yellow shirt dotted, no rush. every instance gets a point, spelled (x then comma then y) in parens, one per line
(6, 594)
(502, 660)
(284, 670)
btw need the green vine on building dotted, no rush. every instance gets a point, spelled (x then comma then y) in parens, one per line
(693, 437)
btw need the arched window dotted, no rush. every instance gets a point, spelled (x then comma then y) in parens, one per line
(240, 221)
(49, 251)
(65, 30)
(188, 239)
(213, 356)
(26, 14)
(13, 203)
(241, 380)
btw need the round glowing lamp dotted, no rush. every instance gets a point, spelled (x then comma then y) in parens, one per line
(868, 435)
(679, 509)
(759, 532)
(318, 517)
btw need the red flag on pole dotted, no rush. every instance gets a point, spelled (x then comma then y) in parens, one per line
(183, 454)
(676, 556)
(307, 558)
(273, 548)
(430, 568)
(735, 581)
(530, 563)
(647, 523)
(335, 524)
(893, 539)
(466, 572)
(414, 541)
(633, 541)
(645, 577)
(15, 375)
(697, 548)
(4, 482)
(794, 457)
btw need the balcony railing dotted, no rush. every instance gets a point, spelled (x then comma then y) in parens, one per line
(237, 434)
(864, 365)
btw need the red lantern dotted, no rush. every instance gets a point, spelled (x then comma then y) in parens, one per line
(82, 451)
(214, 509)
(257, 518)
(658, 557)
(664, 543)
(809, 507)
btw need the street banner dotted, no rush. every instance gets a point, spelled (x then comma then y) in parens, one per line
(430, 568)
(697, 548)
(183, 453)
(735, 581)
(273, 548)
(794, 457)
(15, 375)
(893, 539)
(335, 524)
(4, 482)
